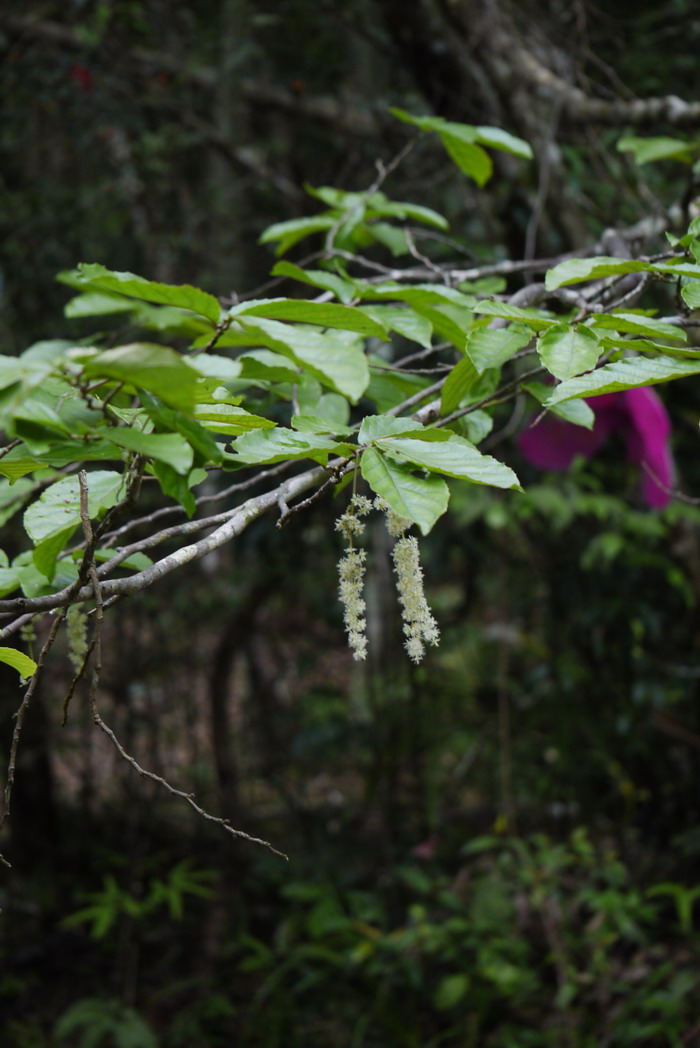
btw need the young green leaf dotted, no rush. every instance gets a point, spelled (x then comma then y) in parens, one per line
(455, 457)
(25, 666)
(259, 447)
(622, 375)
(344, 290)
(492, 347)
(323, 314)
(637, 324)
(420, 499)
(567, 351)
(647, 150)
(58, 507)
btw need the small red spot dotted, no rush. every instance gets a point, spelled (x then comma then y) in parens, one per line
(82, 76)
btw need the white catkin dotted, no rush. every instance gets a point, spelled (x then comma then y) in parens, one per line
(419, 626)
(351, 570)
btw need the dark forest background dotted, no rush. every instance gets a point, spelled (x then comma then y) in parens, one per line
(500, 847)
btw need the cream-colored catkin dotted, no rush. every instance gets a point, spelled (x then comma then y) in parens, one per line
(419, 626)
(351, 570)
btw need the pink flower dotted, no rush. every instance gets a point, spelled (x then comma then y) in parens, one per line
(637, 414)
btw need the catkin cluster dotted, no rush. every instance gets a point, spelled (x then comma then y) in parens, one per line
(419, 626)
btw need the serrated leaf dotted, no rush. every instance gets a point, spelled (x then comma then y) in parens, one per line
(165, 447)
(25, 666)
(576, 270)
(414, 294)
(145, 365)
(678, 267)
(637, 324)
(455, 457)
(420, 499)
(449, 322)
(341, 366)
(534, 318)
(404, 321)
(323, 314)
(266, 366)
(316, 424)
(690, 293)
(344, 290)
(267, 446)
(567, 351)
(58, 507)
(377, 427)
(225, 418)
(622, 375)
(457, 384)
(492, 347)
(647, 150)
(183, 295)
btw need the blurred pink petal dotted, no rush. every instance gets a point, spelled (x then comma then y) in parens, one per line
(637, 414)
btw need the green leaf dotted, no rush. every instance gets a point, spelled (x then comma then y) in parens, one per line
(25, 666)
(225, 418)
(97, 304)
(165, 447)
(288, 233)
(647, 150)
(638, 324)
(414, 294)
(388, 388)
(496, 138)
(477, 425)
(378, 204)
(490, 348)
(567, 351)
(455, 457)
(450, 991)
(624, 374)
(265, 366)
(344, 290)
(450, 322)
(470, 158)
(176, 485)
(145, 365)
(576, 270)
(690, 293)
(212, 366)
(195, 434)
(377, 427)
(457, 384)
(46, 553)
(317, 424)
(576, 411)
(420, 499)
(267, 446)
(676, 267)
(323, 314)
(182, 295)
(404, 321)
(534, 318)
(58, 507)
(340, 365)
